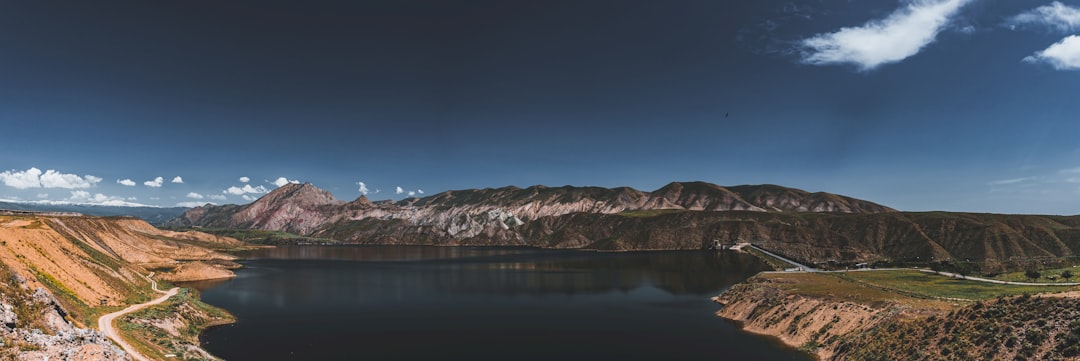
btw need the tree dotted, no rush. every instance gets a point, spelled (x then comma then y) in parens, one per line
(1066, 274)
(1033, 274)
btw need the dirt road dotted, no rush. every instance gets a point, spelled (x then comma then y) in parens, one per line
(105, 323)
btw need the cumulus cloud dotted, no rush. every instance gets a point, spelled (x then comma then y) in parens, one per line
(193, 204)
(399, 191)
(420, 191)
(411, 193)
(283, 181)
(1056, 16)
(54, 179)
(194, 195)
(363, 188)
(1062, 55)
(244, 179)
(99, 199)
(902, 34)
(247, 188)
(247, 197)
(34, 178)
(178, 179)
(30, 178)
(126, 182)
(155, 183)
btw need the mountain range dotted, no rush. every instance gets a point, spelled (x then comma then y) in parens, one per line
(813, 227)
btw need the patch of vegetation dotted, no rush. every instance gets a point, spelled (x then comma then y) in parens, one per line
(1017, 328)
(649, 212)
(76, 309)
(926, 284)
(833, 286)
(187, 315)
(1052, 275)
(257, 236)
(21, 299)
(773, 262)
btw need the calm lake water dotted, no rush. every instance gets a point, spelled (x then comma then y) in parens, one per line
(464, 303)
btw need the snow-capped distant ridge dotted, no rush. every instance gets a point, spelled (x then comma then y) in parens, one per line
(108, 203)
(155, 215)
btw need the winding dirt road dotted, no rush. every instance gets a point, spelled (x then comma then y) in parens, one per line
(105, 323)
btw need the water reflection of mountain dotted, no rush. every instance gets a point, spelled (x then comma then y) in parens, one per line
(430, 271)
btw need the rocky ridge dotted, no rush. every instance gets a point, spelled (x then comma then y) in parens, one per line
(494, 215)
(812, 227)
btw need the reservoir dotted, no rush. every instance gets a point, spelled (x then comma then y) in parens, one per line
(476, 303)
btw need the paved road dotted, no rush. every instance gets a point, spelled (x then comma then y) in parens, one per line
(803, 267)
(105, 323)
(1002, 282)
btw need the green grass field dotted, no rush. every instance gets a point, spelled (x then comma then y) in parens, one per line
(1047, 276)
(919, 283)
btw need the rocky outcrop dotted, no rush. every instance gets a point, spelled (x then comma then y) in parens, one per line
(32, 327)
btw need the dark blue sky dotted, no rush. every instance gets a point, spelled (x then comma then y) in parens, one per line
(963, 105)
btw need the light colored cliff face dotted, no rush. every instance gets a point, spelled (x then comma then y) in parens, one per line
(59, 273)
(97, 258)
(812, 324)
(799, 322)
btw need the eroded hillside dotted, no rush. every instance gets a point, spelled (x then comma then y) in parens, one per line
(83, 267)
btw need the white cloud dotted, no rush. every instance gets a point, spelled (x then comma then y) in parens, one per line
(54, 179)
(193, 204)
(247, 188)
(247, 197)
(282, 181)
(126, 182)
(411, 193)
(178, 179)
(194, 195)
(84, 197)
(900, 35)
(1056, 16)
(1002, 182)
(1070, 171)
(30, 178)
(363, 188)
(1062, 55)
(399, 191)
(244, 179)
(217, 197)
(34, 178)
(420, 191)
(155, 183)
